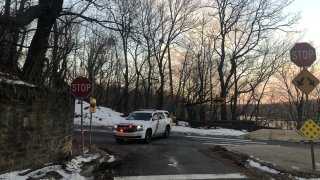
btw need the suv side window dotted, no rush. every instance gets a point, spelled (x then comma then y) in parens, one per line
(160, 115)
(155, 117)
(167, 115)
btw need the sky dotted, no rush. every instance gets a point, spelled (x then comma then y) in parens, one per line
(310, 20)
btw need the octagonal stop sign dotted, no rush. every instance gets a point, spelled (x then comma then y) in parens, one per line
(81, 87)
(302, 54)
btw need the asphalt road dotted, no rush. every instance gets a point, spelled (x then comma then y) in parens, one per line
(176, 157)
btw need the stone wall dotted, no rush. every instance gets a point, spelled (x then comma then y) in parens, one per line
(35, 126)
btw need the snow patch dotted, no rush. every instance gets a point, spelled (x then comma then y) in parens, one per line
(263, 168)
(102, 117)
(205, 132)
(111, 158)
(299, 178)
(73, 169)
(295, 167)
(18, 82)
(183, 123)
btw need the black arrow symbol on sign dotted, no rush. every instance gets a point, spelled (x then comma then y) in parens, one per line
(311, 83)
(300, 83)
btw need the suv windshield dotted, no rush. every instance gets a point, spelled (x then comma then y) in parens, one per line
(139, 116)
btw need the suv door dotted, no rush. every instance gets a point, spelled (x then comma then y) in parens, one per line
(155, 124)
(169, 119)
(162, 122)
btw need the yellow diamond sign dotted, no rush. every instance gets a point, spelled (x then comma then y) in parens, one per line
(310, 129)
(305, 81)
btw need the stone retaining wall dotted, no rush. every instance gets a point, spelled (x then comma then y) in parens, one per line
(35, 126)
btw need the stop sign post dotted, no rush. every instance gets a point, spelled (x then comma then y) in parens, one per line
(81, 87)
(303, 54)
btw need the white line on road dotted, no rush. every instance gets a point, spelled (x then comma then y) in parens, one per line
(202, 137)
(229, 140)
(222, 144)
(254, 142)
(96, 130)
(236, 142)
(107, 139)
(209, 140)
(184, 176)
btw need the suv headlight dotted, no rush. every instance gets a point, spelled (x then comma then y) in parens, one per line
(139, 128)
(115, 126)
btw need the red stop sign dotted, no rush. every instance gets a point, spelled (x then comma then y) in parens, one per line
(302, 54)
(81, 87)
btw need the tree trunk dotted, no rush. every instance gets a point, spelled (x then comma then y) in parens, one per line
(7, 43)
(171, 82)
(223, 106)
(234, 98)
(55, 61)
(34, 64)
(160, 90)
(137, 99)
(126, 79)
(147, 93)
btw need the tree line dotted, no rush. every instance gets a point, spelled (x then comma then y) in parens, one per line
(164, 54)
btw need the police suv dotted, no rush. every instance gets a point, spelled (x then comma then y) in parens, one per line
(144, 125)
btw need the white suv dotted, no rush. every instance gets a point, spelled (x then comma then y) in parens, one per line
(144, 124)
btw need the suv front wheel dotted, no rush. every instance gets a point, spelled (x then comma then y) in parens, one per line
(147, 138)
(166, 132)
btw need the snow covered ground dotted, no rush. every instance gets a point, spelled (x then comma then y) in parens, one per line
(107, 117)
(13, 80)
(102, 117)
(206, 132)
(71, 171)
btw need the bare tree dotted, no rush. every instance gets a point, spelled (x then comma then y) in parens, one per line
(274, 56)
(46, 12)
(176, 18)
(292, 95)
(124, 13)
(63, 43)
(242, 26)
(12, 37)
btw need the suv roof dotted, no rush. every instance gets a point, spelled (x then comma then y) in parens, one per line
(162, 111)
(146, 110)
(150, 110)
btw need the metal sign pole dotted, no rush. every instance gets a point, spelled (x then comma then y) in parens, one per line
(82, 139)
(81, 88)
(311, 130)
(312, 156)
(306, 82)
(311, 141)
(90, 130)
(92, 83)
(306, 107)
